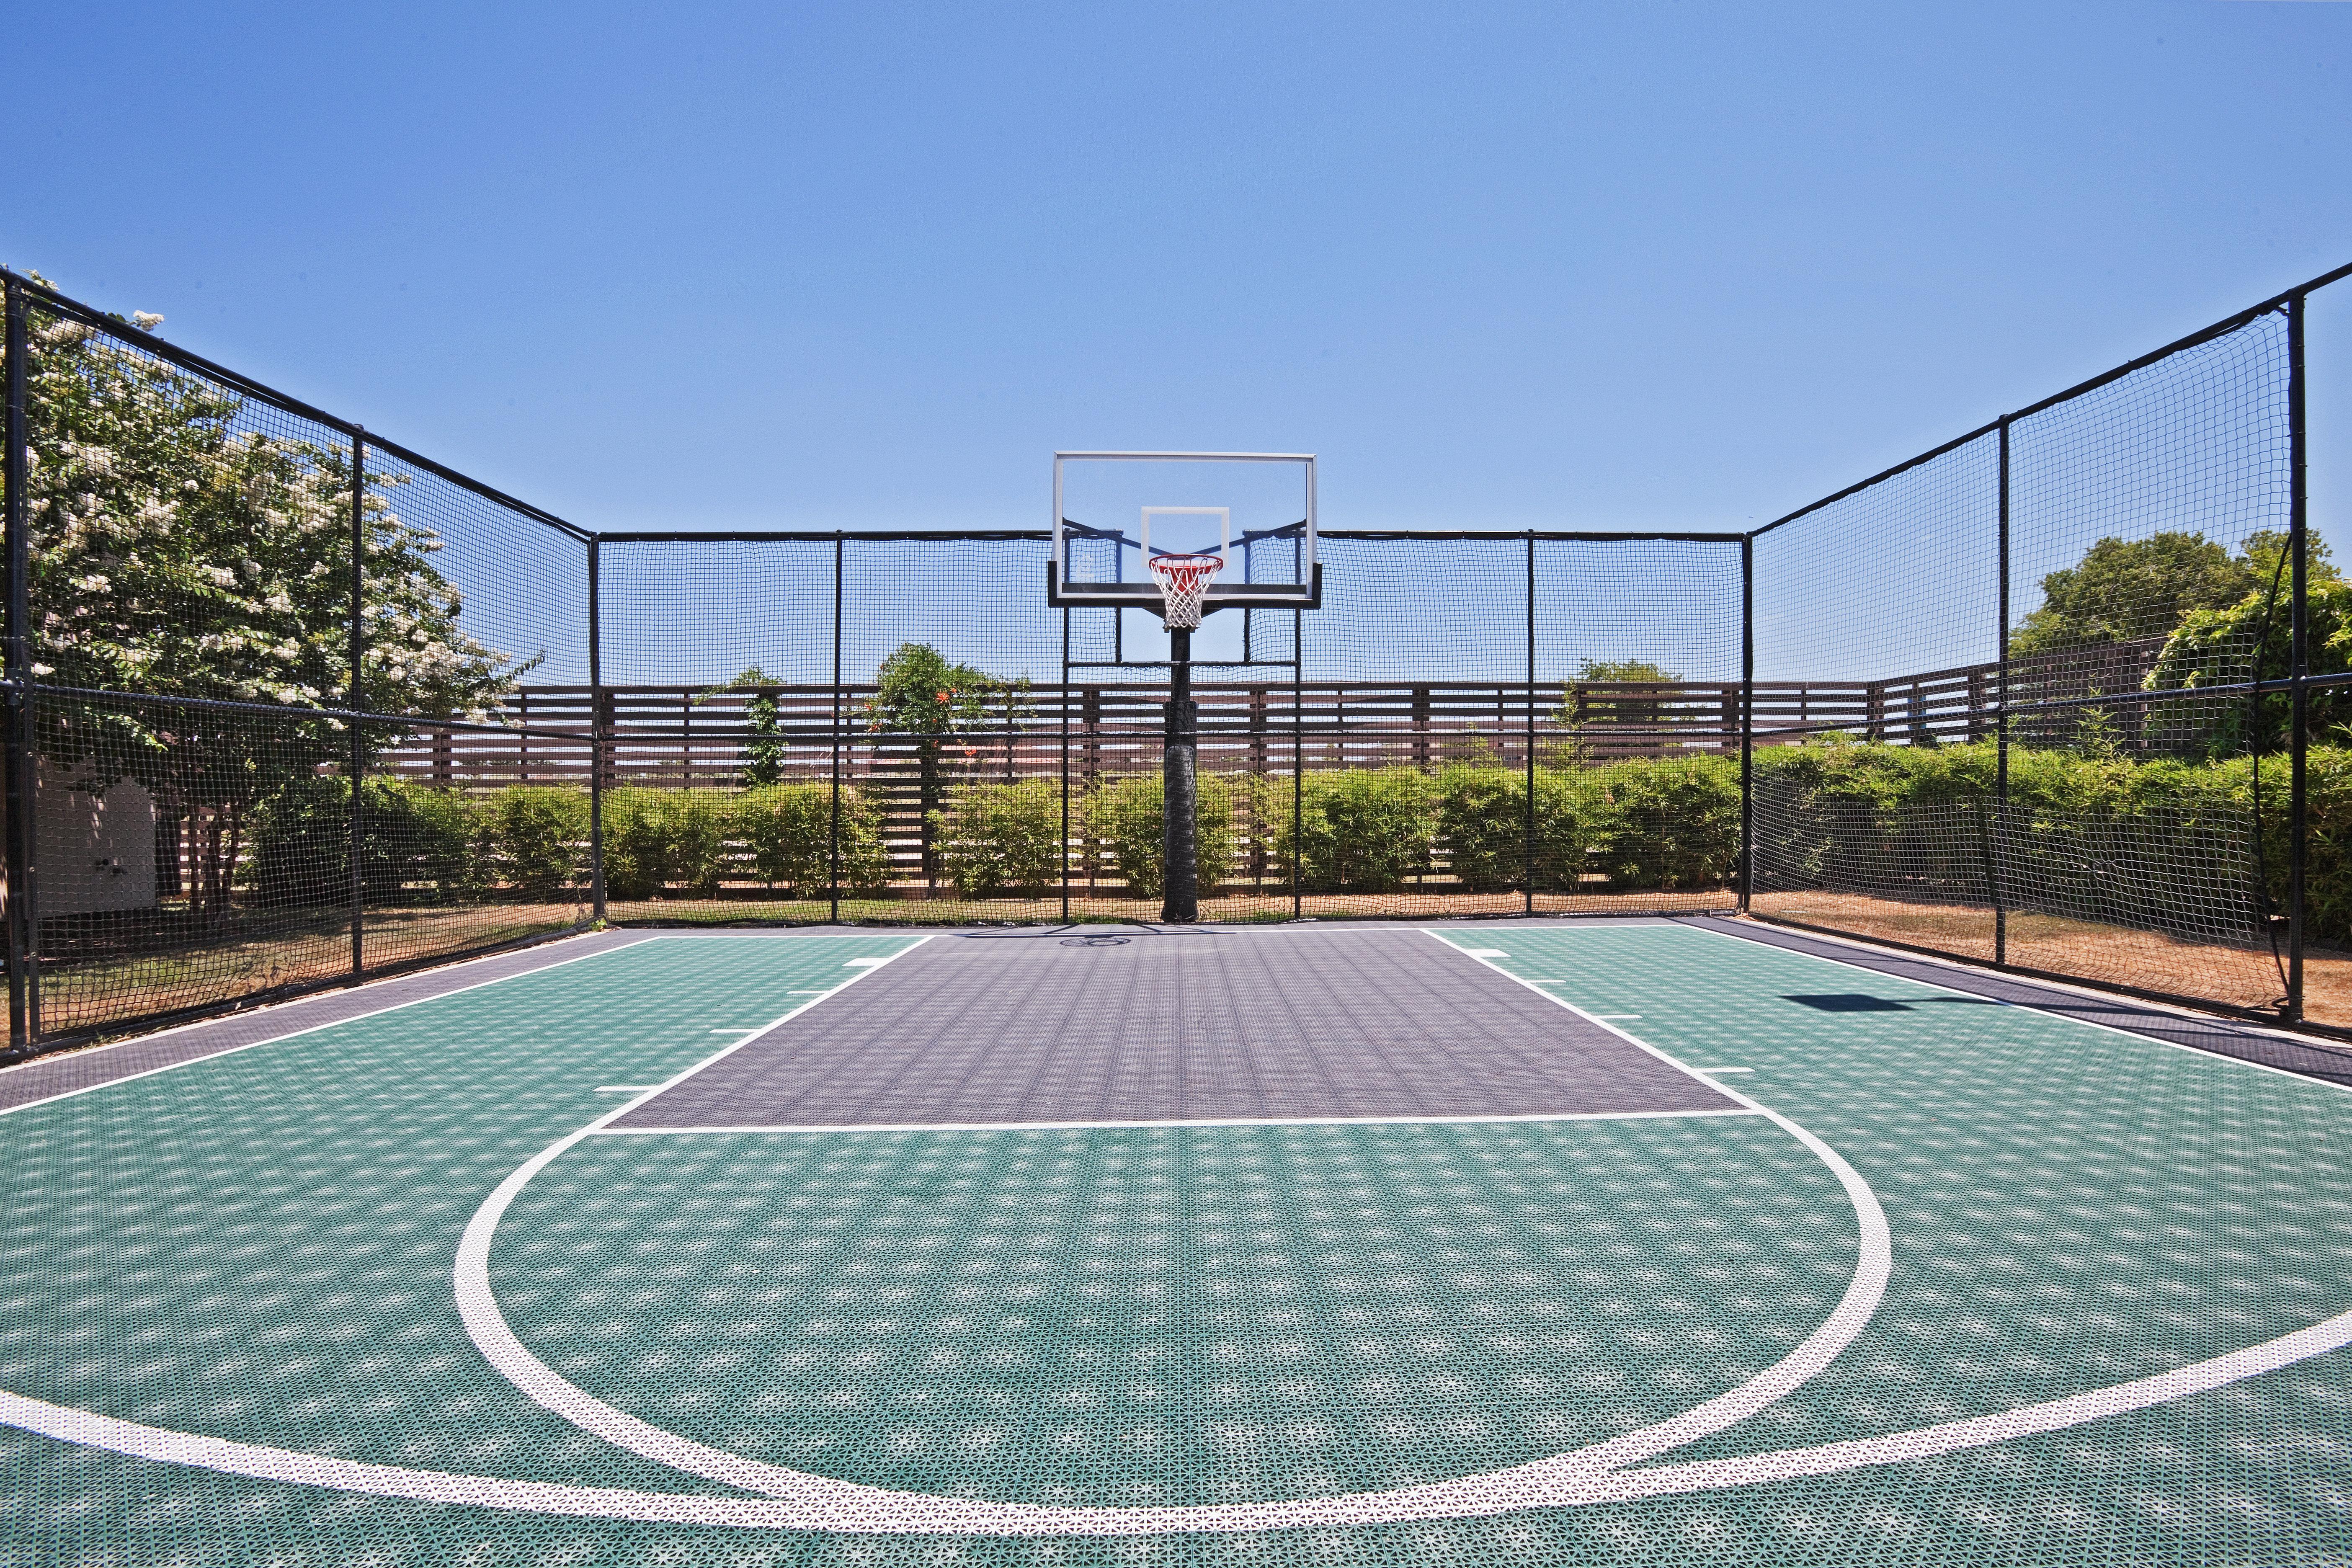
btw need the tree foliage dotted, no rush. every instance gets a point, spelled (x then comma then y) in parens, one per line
(2122, 590)
(764, 745)
(180, 548)
(920, 694)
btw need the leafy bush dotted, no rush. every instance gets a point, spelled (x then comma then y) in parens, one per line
(656, 839)
(1001, 838)
(1124, 815)
(540, 838)
(1481, 827)
(1672, 823)
(419, 845)
(1366, 830)
(788, 831)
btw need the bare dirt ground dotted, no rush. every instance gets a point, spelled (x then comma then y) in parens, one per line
(2116, 955)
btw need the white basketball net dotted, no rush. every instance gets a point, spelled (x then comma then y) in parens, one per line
(1184, 579)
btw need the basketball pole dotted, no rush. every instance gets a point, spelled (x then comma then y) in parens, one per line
(1179, 772)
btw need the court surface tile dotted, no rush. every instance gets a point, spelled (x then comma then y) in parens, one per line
(1570, 1242)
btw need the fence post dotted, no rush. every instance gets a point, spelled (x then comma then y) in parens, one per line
(1066, 758)
(595, 729)
(2299, 665)
(833, 864)
(1527, 893)
(1747, 721)
(359, 706)
(24, 982)
(1999, 833)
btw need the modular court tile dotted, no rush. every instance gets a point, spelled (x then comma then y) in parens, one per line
(1198, 1025)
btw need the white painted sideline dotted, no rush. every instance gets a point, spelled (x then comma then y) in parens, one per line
(1198, 1122)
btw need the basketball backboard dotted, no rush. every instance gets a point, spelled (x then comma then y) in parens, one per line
(1113, 511)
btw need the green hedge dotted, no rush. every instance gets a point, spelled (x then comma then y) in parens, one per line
(419, 845)
(2083, 826)
(779, 834)
(1125, 821)
(998, 839)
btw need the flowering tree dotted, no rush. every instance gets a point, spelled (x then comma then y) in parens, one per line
(920, 694)
(178, 551)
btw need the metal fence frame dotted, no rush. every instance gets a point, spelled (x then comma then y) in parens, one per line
(21, 918)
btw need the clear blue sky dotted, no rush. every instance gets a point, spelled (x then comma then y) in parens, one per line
(816, 266)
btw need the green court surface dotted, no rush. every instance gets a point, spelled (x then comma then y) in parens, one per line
(1961, 1281)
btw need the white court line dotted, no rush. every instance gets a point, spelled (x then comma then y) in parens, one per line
(1874, 1264)
(1202, 1121)
(849, 1506)
(842, 1506)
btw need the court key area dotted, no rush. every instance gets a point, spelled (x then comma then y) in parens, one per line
(1606, 1241)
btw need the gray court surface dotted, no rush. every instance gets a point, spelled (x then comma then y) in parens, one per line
(1201, 1024)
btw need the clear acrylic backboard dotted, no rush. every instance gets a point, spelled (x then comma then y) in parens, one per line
(1113, 511)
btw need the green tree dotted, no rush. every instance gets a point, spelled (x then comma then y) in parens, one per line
(2123, 590)
(1582, 710)
(2226, 647)
(764, 745)
(920, 694)
(178, 548)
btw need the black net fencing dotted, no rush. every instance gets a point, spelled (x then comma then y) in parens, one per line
(290, 705)
(2066, 741)
(267, 682)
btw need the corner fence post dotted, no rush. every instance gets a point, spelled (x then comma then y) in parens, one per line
(832, 856)
(1998, 836)
(597, 728)
(24, 984)
(1528, 845)
(359, 706)
(2299, 665)
(1747, 720)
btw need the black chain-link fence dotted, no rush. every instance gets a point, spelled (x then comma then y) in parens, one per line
(2026, 700)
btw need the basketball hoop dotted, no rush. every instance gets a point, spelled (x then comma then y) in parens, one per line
(1184, 579)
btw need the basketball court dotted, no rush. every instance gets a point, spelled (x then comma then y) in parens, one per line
(1644, 1241)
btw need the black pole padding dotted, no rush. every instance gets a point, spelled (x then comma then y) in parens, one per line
(1063, 859)
(24, 1007)
(2299, 665)
(359, 705)
(1180, 774)
(1298, 762)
